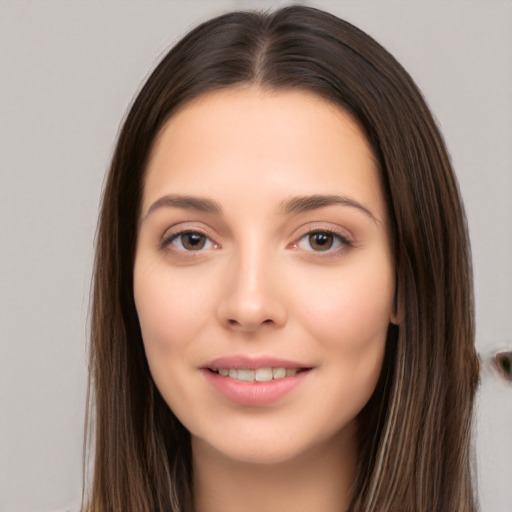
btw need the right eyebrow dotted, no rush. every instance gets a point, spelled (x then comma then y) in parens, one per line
(201, 204)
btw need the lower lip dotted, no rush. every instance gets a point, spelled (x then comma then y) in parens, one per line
(254, 393)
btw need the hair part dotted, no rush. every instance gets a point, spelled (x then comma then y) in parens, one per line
(415, 431)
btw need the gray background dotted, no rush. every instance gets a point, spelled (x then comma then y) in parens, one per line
(68, 71)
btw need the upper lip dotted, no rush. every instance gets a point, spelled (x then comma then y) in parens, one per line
(243, 361)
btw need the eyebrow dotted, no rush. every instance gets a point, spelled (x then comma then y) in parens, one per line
(201, 204)
(293, 205)
(307, 203)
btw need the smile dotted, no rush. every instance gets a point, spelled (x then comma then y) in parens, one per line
(255, 387)
(258, 374)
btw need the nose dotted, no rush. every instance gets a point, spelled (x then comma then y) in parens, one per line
(253, 296)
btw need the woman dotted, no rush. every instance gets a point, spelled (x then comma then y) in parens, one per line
(282, 314)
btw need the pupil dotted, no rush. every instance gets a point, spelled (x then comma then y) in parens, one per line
(320, 241)
(193, 241)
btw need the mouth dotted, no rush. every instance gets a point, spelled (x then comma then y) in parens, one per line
(255, 381)
(266, 374)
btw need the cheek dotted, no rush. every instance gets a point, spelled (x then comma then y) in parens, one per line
(170, 306)
(172, 309)
(169, 315)
(350, 310)
(348, 317)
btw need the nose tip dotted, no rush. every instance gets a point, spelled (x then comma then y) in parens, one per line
(251, 301)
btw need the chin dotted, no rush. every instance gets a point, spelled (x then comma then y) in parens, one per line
(273, 449)
(253, 453)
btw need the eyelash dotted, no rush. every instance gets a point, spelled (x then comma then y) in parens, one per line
(337, 237)
(168, 240)
(342, 240)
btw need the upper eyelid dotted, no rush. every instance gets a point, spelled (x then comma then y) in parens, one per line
(320, 227)
(184, 231)
(344, 234)
(183, 227)
(331, 231)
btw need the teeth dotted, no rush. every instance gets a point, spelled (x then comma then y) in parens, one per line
(259, 375)
(278, 373)
(263, 374)
(245, 375)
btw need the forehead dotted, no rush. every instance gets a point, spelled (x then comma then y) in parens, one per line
(244, 137)
(259, 110)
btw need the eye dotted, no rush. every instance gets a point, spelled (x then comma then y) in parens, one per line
(322, 241)
(189, 241)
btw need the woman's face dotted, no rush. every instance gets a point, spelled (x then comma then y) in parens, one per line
(264, 279)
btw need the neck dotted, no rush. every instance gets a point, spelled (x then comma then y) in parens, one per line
(319, 479)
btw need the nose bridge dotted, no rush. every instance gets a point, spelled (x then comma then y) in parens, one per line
(251, 297)
(251, 269)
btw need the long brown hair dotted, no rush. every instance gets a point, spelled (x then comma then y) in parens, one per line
(414, 452)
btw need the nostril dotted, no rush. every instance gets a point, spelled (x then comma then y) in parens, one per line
(248, 326)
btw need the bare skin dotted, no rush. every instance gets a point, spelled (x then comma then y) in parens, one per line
(263, 246)
(317, 480)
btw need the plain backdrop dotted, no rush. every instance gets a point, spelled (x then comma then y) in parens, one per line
(68, 71)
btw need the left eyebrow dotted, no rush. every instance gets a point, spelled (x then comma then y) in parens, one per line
(306, 203)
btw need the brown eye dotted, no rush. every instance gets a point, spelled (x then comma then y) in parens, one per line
(193, 241)
(190, 241)
(321, 241)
